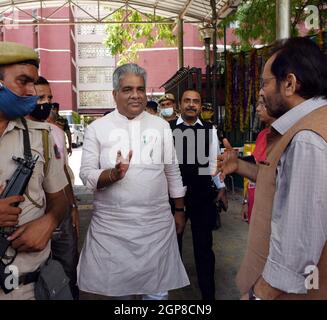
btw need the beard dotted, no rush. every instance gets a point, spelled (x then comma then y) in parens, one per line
(275, 105)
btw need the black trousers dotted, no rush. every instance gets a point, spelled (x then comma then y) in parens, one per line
(202, 216)
(64, 249)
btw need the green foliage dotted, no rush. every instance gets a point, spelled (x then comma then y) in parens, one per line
(76, 117)
(257, 21)
(88, 120)
(126, 39)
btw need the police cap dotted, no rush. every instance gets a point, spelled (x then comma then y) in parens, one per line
(12, 52)
(167, 96)
(207, 107)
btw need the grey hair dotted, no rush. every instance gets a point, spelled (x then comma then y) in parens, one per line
(127, 68)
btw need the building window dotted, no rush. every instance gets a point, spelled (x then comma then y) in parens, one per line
(95, 74)
(91, 29)
(98, 99)
(90, 50)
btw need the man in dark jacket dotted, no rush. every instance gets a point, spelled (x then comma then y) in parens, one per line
(197, 146)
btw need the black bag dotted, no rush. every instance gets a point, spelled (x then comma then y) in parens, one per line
(52, 284)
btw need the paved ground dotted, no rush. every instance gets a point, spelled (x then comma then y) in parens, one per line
(229, 246)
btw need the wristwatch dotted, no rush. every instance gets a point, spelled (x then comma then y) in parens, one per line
(73, 205)
(245, 201)
(180, 209)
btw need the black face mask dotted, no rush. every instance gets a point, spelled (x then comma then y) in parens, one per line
(42, 111)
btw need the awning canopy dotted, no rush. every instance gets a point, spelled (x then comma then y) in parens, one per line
(192, 11)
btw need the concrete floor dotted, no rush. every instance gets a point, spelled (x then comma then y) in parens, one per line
(229, 246)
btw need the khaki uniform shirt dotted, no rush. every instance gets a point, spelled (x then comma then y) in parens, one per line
(11, 143)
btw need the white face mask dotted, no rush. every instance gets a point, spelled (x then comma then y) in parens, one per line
(167, 112)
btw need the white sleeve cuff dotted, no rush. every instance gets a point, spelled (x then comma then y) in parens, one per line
(91, 179)
(217, 182)
(284, 279)
(177, 192)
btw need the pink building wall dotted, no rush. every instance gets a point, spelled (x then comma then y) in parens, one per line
(56, 50)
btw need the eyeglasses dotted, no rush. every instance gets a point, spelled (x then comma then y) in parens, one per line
(263, 82)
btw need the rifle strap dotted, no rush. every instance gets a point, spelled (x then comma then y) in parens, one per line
(27, 144)
(33, 201)
(28, 156)
(45, 142)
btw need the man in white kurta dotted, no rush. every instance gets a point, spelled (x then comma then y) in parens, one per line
(131, 246)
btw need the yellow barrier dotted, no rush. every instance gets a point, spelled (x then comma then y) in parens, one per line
(247, 151)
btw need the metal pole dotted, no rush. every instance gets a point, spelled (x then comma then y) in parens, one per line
(225, 47)
(207, 62)
(214, 40)
(221, 123)
(180, 43)
(198, 79)
(283, 19)
(215, 58)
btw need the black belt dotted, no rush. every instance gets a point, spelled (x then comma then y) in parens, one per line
(29, 277)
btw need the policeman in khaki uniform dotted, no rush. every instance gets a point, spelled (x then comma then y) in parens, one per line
(64, 246)
(44, 203)
(168, 107)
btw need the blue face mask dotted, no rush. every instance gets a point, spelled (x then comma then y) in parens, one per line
(14, 106)
(167, 112)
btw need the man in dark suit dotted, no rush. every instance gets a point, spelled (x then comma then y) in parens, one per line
(197, 146)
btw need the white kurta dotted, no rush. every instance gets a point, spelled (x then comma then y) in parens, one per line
(131, 244)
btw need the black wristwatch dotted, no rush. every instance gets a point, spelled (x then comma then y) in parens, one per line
(180, 209)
